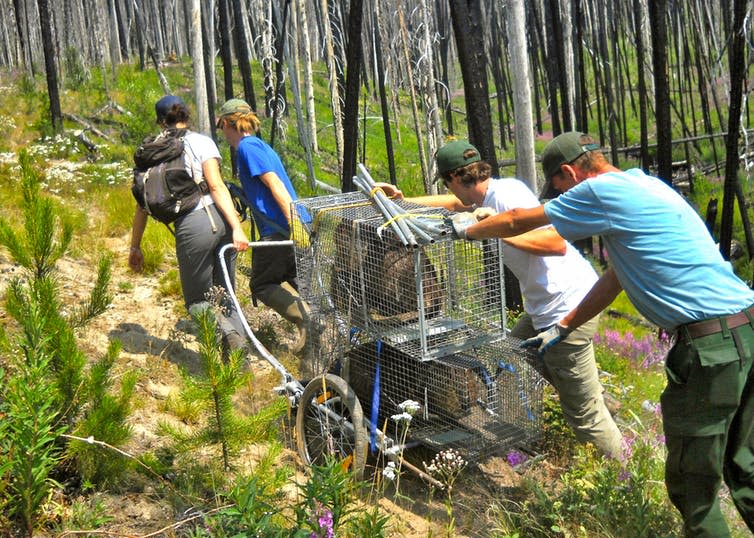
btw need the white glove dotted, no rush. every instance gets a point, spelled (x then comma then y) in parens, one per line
(460, 222)
(481, 213)
(548, 338)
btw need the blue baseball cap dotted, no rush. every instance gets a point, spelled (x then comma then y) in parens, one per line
(166, 104)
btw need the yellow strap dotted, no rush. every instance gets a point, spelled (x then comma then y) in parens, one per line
(315, 223)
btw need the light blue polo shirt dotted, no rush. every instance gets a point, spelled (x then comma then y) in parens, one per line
(660, 249)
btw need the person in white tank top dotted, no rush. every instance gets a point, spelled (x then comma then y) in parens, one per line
(553, 276)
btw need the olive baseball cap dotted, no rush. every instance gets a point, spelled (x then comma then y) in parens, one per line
(455, 154)
(232, 106)
(563, 149)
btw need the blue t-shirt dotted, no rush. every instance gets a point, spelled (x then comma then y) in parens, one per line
(256, 157)
(661, 251)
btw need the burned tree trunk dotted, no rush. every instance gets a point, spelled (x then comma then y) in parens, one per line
(732, 187)
(657, 16)
(51, 69)
(242, 53)
(468, 30)
(353, 83)
(226, 55)
(383, 97)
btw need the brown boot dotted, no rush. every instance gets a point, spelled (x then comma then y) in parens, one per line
(286, 301)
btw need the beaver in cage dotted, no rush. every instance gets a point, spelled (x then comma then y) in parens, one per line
(379, 274)
(446, 391)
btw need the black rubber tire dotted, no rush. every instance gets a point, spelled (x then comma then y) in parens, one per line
(339, 432)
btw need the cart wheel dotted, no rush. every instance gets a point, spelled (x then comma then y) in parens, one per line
(330, 421)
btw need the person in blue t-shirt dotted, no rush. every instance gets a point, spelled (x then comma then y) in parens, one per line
(270, 193)
(662, 255)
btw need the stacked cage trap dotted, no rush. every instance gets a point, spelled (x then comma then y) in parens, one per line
(422, 321)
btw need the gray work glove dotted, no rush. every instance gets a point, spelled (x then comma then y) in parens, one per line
(460, 222)
(547, 338)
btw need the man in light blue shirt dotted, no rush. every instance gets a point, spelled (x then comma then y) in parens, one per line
(663, 257)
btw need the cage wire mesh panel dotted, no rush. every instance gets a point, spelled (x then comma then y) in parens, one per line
(479, 402)
(431, 316)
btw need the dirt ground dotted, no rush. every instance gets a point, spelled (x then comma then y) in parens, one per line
(157, 342)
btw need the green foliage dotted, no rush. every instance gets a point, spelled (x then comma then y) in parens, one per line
(76, 73)
(215, 390)
(104, 419)
(83, 514)
(99, 299)
(254, 511)
(31, 417)
(48, 391)
(170, 282)
(330, 489)
(46, 238)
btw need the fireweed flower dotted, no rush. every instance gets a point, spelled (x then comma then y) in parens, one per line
(649, 350)
(515, 458)
(323, 521)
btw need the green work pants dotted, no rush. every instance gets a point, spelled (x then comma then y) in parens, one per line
(708, 416)
(571, 368)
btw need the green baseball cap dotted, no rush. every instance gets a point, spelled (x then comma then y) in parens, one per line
(231, 106)
(455, 154)
(564, 148)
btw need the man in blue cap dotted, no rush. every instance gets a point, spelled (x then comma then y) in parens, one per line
(688, 290)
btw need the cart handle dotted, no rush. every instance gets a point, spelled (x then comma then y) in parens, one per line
(288, 381)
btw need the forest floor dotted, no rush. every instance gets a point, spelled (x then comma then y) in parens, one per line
(157, 341)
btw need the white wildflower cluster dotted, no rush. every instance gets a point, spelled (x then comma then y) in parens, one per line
(7, 123)
(402, 417)
(408, 410)
(56, 146)
(410, 407)
(59, 173)
(446, 466)
(390, 471)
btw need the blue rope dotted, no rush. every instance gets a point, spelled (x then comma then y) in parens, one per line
(375, 402)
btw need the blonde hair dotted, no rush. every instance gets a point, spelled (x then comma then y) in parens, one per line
(243, 122)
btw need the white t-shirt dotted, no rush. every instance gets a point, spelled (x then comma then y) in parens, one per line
(199, 148)
(551, 285)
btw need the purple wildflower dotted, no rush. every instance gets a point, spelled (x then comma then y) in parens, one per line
(515, 458)
(650, 350)
(324, 522)
(624, 476)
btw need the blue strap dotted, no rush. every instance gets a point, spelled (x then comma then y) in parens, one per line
(502, 365)
(375, 402)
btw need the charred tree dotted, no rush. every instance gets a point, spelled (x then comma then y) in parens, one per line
(226, 55)
(641, 84)
(353, 83)
(732, 188)
(242, 54)
(658, 18)
(380, 68)
(525, 167)
(466, 16)
(51, 70)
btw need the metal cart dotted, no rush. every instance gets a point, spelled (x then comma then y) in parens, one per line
(391, 323)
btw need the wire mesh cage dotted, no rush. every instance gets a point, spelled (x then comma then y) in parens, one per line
(423, 323)
(429, 301)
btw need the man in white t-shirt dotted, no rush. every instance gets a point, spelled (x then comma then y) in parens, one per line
(554, 278)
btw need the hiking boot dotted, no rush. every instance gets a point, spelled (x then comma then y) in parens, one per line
(232, 341)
